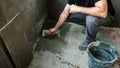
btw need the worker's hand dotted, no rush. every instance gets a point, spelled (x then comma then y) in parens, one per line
(52, 31)
(74, 9)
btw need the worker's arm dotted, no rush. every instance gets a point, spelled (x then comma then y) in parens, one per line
(100, 9)
(63, 16)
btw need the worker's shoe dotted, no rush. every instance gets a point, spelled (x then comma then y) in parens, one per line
(84, 31)
(84, 45)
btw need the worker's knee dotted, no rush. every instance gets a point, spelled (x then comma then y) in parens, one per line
(91, 21)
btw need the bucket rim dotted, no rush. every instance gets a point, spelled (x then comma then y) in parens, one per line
(98, 42)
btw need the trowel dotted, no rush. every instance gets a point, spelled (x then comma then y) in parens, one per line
(46, 35)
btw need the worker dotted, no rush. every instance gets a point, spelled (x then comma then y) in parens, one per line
(90, 13)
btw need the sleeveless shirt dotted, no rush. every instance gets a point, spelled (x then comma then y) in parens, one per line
(91, 3)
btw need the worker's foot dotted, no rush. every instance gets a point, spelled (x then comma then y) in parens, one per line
(84, 31)
(84, 45)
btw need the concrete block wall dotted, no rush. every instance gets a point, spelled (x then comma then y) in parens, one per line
(4, 60)
(20, 25)
(30, 13)
(116, 22)
(56, 7)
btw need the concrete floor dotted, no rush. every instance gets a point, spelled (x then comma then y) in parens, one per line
(63, 52)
